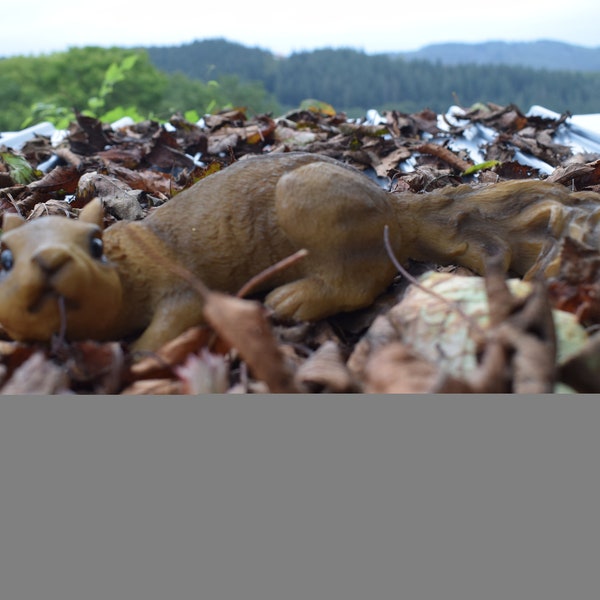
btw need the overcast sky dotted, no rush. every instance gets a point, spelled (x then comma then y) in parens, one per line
(34, 27)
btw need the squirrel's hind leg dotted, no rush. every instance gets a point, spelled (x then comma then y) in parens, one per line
(339, 216)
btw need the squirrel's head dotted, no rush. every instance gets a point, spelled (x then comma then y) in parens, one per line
(54, 276)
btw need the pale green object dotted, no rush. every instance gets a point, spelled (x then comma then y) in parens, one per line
(317, 106)
(19, 169)
(480, 167)
(442, 335)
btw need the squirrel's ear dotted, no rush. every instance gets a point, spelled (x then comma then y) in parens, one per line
(93, 213)
(11, 221)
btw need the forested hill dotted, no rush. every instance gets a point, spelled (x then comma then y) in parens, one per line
(355, 81)
(543, 54)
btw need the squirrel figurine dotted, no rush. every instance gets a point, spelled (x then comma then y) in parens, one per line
(67, 274)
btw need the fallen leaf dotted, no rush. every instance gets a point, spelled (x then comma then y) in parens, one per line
(87, 135)
(447, 322)
(51, 207)
(326, 371)
(19, 169)
(96, 365)
(162, 363)
(395, 369)
(37, 375)
(243, 325)
(514, 170)
(581, 370)
(116, 197)
(161, 387)
(576, 288)
(522, 331)
(165, 153)
(204, 374)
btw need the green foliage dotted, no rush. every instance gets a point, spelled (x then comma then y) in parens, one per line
(61, 115)
(114, 74)
(53, 86)
(481, 167)
(110, 83)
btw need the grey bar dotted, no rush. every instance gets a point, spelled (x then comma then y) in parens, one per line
(320, 497)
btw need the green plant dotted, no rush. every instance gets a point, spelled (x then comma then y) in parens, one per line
(61, 116)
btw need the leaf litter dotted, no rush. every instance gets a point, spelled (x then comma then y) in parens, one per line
(467, 334)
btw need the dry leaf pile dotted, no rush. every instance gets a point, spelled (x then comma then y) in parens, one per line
(481, 335)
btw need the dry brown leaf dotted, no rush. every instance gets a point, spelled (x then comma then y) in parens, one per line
(165, 153)
(100, 364)
(233, 116)
(381, 333)
(61, 178)
(222, 142)
(51, 207)
(87, 135)
(389, 163)
(394, 369)
(116, 196)
(576, 289)
(127, 156)
(162, 387)
(325, 371)
(204, 374)
(243, 325)
(572, 173)
(512, 169)
(582, 370)
(161, 363)
(155, 183)
(524, 327)
(37, 375)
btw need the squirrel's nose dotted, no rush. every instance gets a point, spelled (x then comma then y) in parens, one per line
(51, 260)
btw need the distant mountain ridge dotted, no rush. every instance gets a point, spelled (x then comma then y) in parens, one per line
(542, 54)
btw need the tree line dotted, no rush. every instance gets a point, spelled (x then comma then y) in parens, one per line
(353, 81)
(209, 75)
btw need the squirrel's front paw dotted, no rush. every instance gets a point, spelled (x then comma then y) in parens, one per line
(303, 300)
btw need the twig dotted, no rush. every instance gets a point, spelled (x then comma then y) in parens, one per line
(270, 271)
(445, 155)
(14, 203)
(58, 340)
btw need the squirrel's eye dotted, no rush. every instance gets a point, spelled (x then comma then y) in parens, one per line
(96, 247)
(6, 259)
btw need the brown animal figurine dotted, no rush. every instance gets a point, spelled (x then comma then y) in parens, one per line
(65, 273)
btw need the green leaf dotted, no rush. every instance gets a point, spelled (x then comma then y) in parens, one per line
(114, 74)
(18, 168)
(191, 116)
(95, 103)
(480, 167)
(128, 62)
(119, 112)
